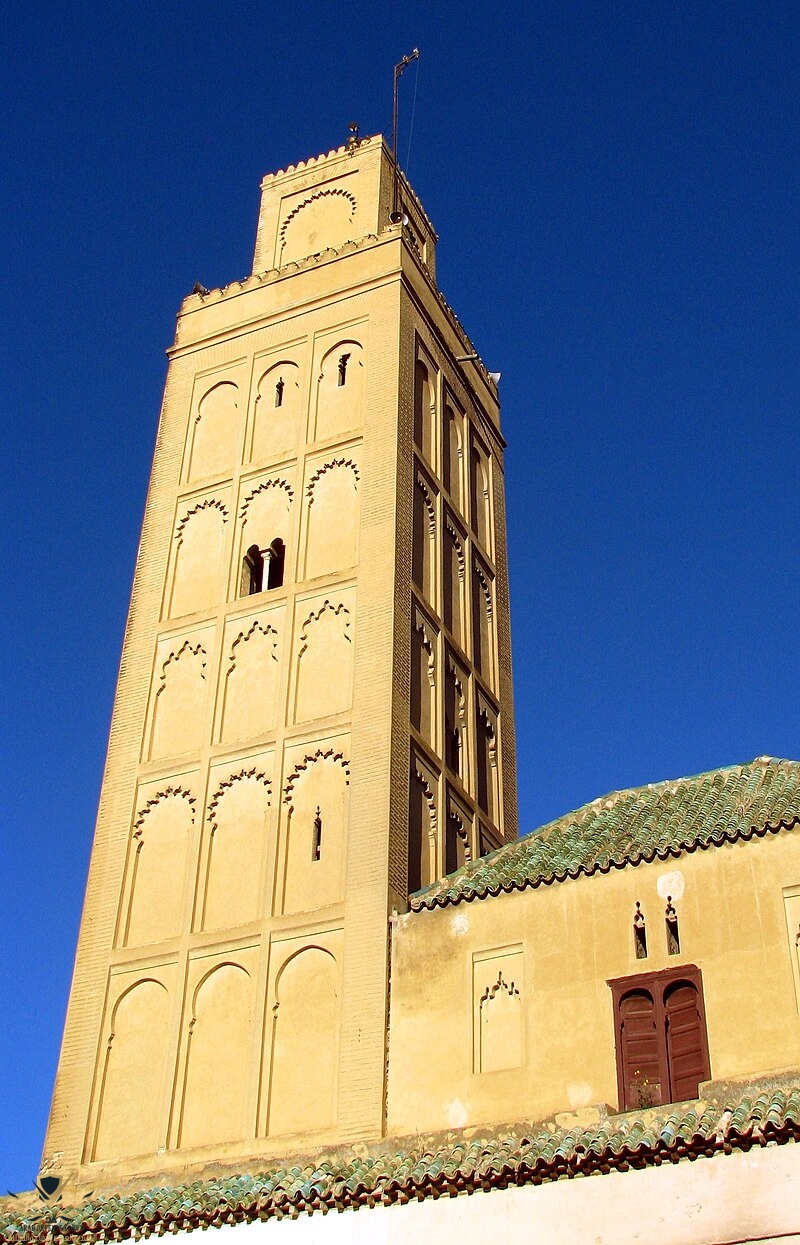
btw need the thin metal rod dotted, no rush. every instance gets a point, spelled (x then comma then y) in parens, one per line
(398, 71)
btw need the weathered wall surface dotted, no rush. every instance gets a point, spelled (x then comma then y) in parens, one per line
(537, 963)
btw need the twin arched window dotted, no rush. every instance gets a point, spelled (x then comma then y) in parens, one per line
(256, 561)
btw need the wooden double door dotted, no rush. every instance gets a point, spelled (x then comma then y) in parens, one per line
(662, 1046)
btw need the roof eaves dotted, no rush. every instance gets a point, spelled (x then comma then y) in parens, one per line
(689, 1130)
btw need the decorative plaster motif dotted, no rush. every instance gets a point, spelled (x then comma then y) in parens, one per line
(426, 494)
(244, 636)
(334, 462)
(203, 505)
(492, 990)
(329, 608)
(332, 191)
(308, 760)
(266, 484)
(459, 548)
(256, 775)
(487, 592)
(164, 794)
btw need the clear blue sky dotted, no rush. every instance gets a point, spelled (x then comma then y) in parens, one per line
(616, 187)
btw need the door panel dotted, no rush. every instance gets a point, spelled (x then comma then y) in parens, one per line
(687, 1067)
(639, 1045)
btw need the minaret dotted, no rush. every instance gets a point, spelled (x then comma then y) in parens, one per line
(313, 716)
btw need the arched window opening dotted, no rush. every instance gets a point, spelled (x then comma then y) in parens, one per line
(279, 392)
(252, 571)
(639, 933)
(277, 561)
(673, 934)
(342, 378)
(316, 850)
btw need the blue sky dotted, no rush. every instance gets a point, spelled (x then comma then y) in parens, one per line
(616, 190)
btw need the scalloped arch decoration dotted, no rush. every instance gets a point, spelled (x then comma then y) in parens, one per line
(251, 684)
(200, 538)
(321, 222)
(263, 487)
(157, 863)
(209, 503)
(310, 759)
(239, 827)
(334, 462)
(179, 705)
(332, 511)
(324, 663)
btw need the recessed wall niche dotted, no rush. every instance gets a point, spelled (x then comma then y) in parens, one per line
(303, 1019)
(341, 386)
(250, 676)
(424, 650)
(332, 499)
(423, 553)
(179, 695)
(497, 993)
(265, 527)
(277, 424)
(314, 825)
(238, 835)
(218, 1048)
(131, 1078)
(197, 554)
(423, 824)
(453, 453)
(426, 381)
(325, 629)
(159, 848)
(214, 431)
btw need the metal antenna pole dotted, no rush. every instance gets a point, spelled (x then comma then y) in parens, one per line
(398, 71)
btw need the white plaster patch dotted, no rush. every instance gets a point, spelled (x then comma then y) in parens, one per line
(579, 1094)
(671, 883)
(457, 1114)
(459, 925)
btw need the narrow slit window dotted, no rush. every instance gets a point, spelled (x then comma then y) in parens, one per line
(252, 571)
(673, 934)
(316, 847)
(277, 561)
(343, 359)
(279, 392)
(639, 933)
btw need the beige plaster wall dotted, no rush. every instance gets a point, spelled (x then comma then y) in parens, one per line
(556, 947)
(251, 835)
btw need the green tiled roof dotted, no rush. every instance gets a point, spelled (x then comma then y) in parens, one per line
(453, 1166)
(629, 827)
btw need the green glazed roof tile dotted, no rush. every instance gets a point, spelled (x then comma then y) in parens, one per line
(659, 820)
(676, 1131)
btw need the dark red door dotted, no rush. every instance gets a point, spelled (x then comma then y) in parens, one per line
(685, 1048)
(639, 1046)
